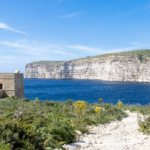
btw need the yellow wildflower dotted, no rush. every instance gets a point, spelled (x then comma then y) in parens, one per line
(45, 144)
(79, 106)
(120, 103)
(100, 99)
(98, 109)
(36, 98)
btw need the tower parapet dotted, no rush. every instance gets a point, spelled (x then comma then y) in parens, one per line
(11, 84)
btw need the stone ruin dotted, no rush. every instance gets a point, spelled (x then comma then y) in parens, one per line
(11, 84)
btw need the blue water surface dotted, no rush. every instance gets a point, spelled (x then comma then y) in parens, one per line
(87, 90)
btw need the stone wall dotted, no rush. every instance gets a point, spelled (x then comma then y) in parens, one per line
(7, 79)
(12, 84)
(19, 85)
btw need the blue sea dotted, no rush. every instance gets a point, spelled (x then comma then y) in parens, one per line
(87, 90)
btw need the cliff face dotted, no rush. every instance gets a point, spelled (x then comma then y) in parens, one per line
(132, 68)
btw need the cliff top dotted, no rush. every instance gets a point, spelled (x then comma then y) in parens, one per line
(134, 52)
(47, 62)
(129, 53)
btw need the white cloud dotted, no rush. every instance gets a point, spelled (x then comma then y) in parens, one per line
(136, 43)
(71, 15)
(15, 55)
(136, 46)
(97, 51)
(34, 49)
(15, 44)
(84, 48)
(45, 50)
(18, 53)
(5, 26)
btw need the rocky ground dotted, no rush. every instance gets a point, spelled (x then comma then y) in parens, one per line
(118, 135)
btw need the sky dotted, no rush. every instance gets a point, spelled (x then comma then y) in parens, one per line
(61, 30)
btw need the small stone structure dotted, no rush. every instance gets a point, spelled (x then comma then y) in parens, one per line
(11, 84)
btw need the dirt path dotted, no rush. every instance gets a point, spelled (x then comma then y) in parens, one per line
(121, 135)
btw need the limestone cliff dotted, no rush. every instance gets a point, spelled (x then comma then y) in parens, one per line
(131, 66)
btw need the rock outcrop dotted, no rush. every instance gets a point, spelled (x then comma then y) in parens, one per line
(131, 66)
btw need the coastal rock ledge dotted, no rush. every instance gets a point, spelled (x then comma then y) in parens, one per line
(133, 66)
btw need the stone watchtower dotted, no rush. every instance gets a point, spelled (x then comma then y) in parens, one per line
(11, 84)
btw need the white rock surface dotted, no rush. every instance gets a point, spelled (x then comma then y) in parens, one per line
(112, 68)
(117, 135)
(78, 132)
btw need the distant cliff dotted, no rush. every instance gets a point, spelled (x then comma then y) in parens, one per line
(133, 66)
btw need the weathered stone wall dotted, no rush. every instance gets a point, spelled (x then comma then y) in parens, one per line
(19, 85)
(112, 68)
(12, 84)
(7, 79)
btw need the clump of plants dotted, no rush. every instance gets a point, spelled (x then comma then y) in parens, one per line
(120, 104)
(144, 125)
(79, 108)
(44, 125)
(100, 100)
(138, 108)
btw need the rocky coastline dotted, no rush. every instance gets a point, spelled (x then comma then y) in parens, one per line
(126, 67)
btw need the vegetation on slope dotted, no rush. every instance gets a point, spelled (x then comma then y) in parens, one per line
(43, 125)
(47, 63)
(142, 54)
(128, 53)
(142, 109)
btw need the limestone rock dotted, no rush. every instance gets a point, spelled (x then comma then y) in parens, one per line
(112, 68)
(123, 137)
(78, 132)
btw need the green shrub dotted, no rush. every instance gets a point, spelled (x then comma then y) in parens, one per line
(7, 115)
(90, 111)
(4, 147)
(26, 100)
(145, 109)
(49, 103)
(20, 135)
(83, 129)
(69, 102)
(144, 125)
(63, 131)
(13, 97)
(27, 125)
(55, 144)
(103, 120)
(89, 121)
(107, 105)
